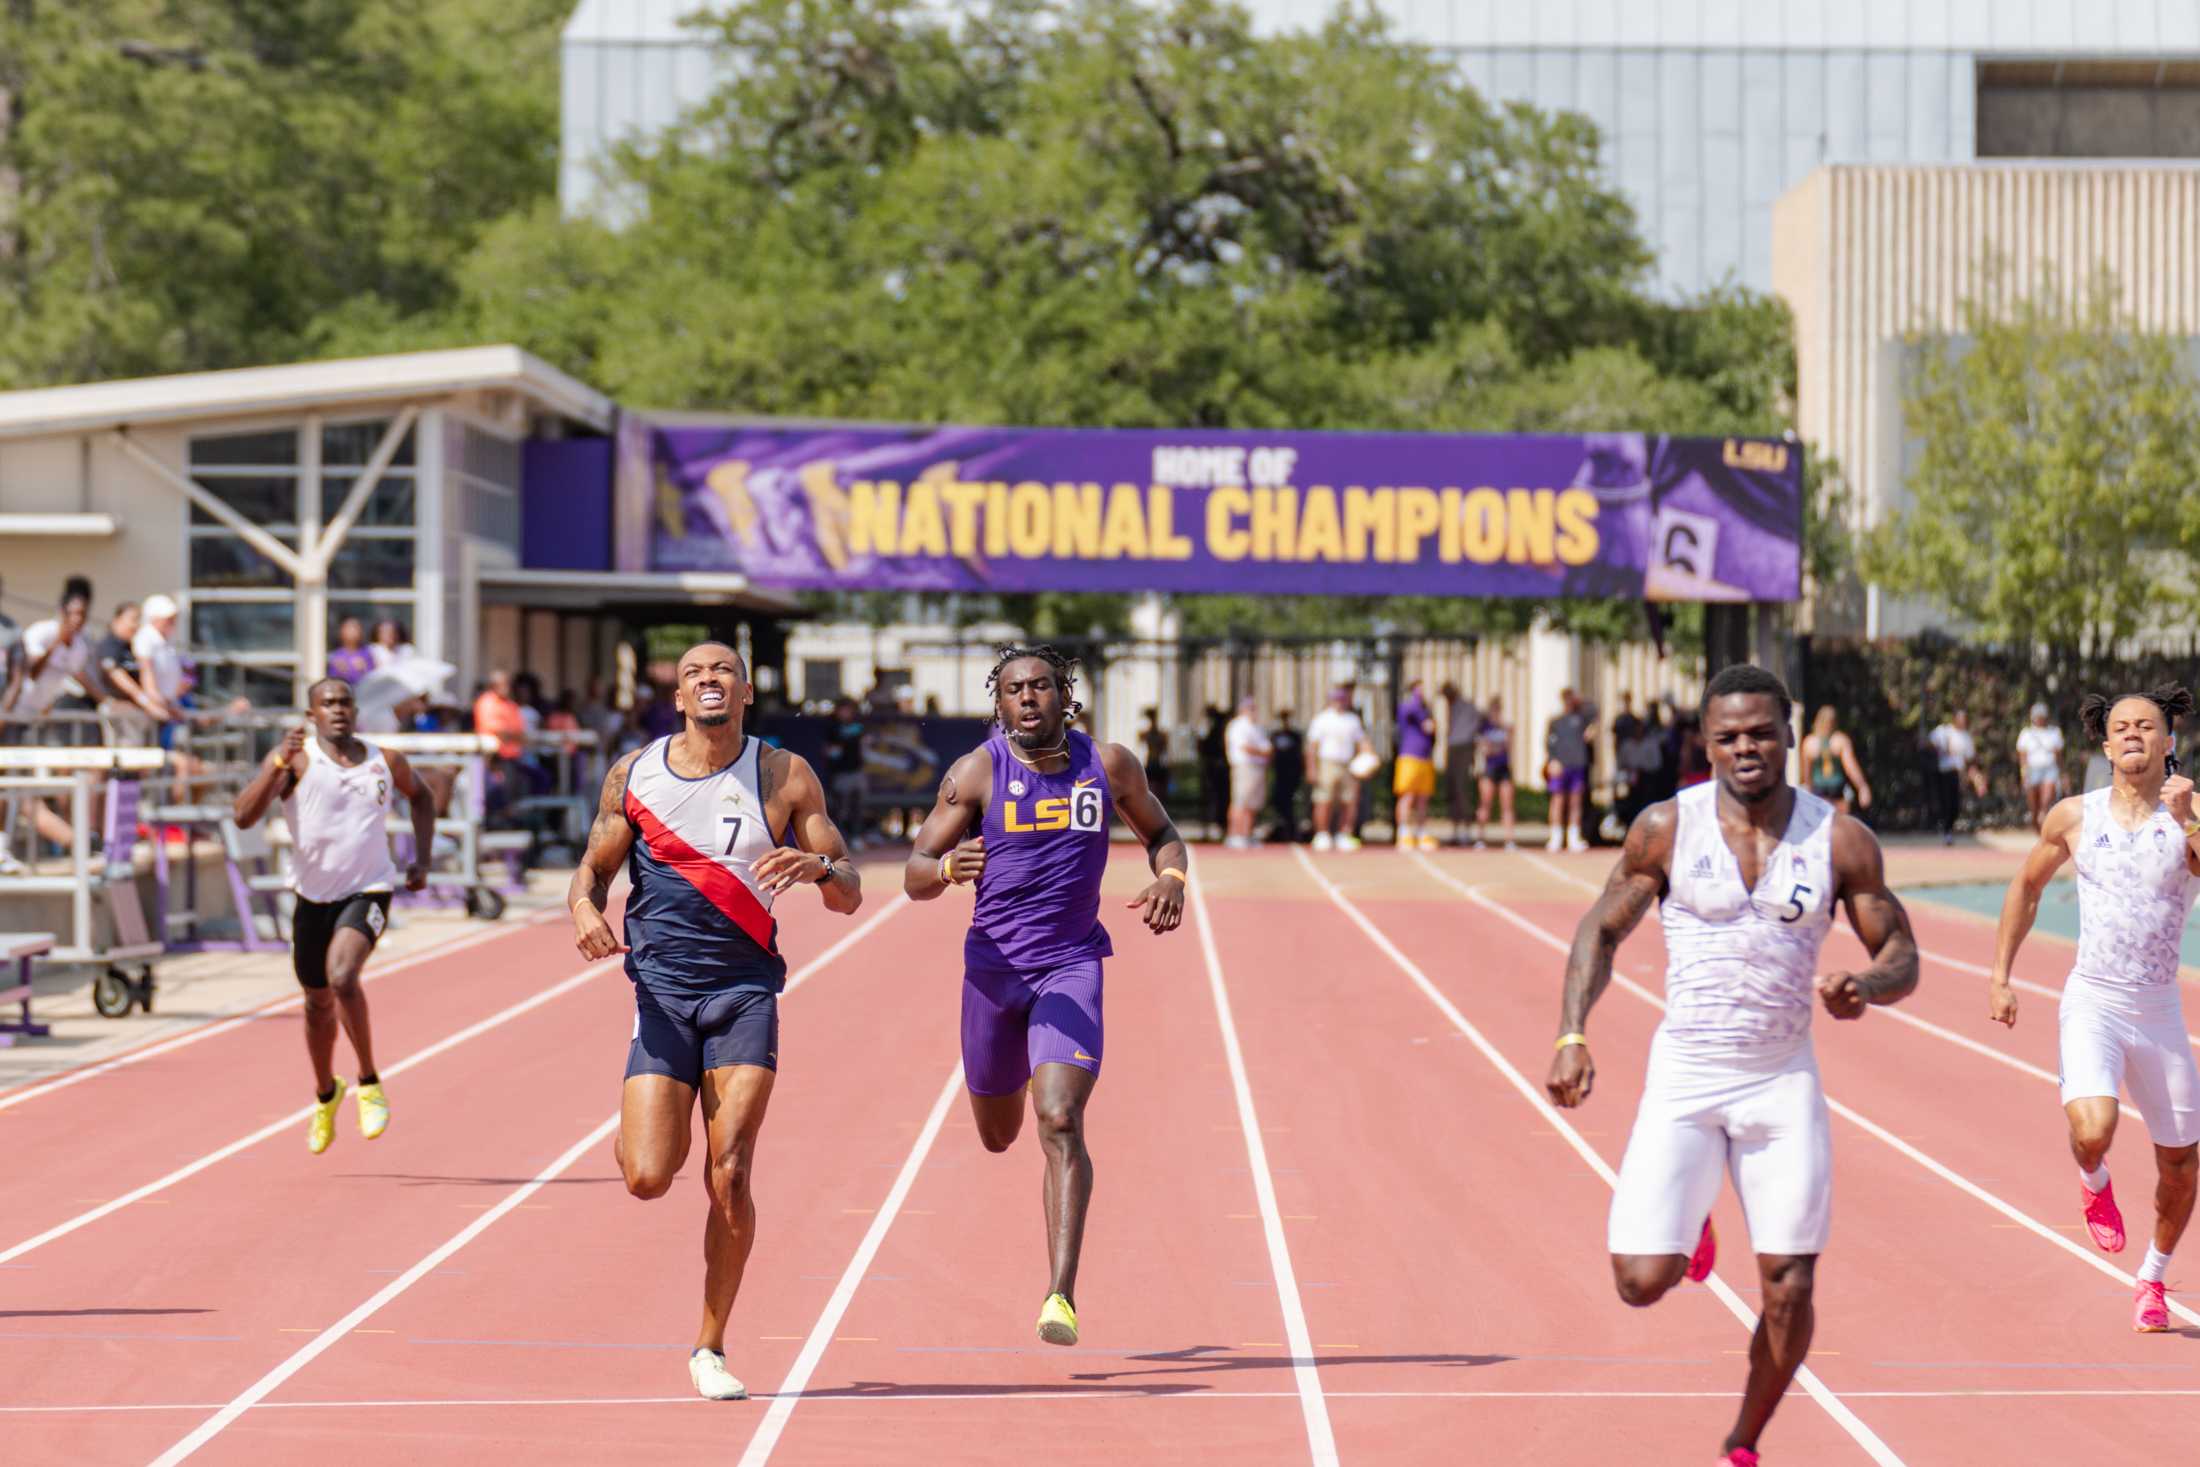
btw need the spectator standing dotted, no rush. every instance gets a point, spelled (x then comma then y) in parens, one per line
(1462, 723)
(496, 712)
(1691, 760)
(2040, 752)
(1153, 740)
(1248, 748)
(1566, 768)
(349, 659)
(11, 658)
(54, 651)
(1829, 764)
(1338, 737)
(390, 644)
(845, 782)
(162, 659)
(130, 712)
(1641, 759)
(1493, 742)
(1413, 776)
(1955, 756)
(1214, 769)
(1286, 773)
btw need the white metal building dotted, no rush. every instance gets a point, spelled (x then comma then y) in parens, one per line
(1711, 109)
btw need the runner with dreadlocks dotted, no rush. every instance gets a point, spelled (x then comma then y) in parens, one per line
(2123, 1017)
(1025, 818)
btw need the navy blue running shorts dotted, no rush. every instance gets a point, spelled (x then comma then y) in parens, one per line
(685, 1035)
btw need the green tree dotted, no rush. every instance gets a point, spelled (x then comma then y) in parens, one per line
(2055, 499)
(214, 183)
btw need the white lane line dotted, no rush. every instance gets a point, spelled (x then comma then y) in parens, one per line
(255, 1393)
(790, 1390)
(1847, 1419)
(208, 1429)
(1112, 1395)
(248, 1014)
(1320, 1439)
(2022, 1219)
(278, 1126)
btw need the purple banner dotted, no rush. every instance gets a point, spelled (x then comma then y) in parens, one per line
(1075, 509)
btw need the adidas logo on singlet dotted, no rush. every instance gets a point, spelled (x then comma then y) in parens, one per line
(2102, 842)
(1702, 867)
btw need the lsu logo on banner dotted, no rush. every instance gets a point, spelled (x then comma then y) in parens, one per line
(1079, 810)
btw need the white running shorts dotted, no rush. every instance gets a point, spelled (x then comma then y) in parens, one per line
(2109, 1045)
(1700, 1122)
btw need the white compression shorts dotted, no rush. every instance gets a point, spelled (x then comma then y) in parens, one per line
(2111, 1042)
(1766, 1124)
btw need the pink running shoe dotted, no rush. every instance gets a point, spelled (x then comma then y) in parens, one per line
(1707, 1253)
(1739, 1457)
(2103, 1218)
(2149, 1310)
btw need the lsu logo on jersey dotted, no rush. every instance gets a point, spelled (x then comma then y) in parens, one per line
(1079, 810)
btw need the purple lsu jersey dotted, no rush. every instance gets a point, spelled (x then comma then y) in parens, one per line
(1046, 845)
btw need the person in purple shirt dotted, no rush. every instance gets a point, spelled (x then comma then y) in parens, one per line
(349, 659)
(1025, 817)
(1413, 780)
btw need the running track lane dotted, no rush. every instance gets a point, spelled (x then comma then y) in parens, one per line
(1925, 1289)
(1460, 1240)
(126, 1128)
(272, 1244)
(1177, 1302)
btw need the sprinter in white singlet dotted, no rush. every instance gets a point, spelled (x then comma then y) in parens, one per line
(337, 790)
(2123, 1014)
(1748, 870)
(712, 826)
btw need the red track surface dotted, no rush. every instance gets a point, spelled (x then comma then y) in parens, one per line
(1444, 1238)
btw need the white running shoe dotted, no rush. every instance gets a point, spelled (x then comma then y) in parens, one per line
(1348, 842)
(1557, 842)
(1574, 842)
(1322, 841)
(713, 1382)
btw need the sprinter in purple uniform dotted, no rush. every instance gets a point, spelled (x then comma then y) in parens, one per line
(1026, 817)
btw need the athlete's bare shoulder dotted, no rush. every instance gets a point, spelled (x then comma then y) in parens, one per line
(779, 770)
(614, 784)
(2067, 816)
(1649, 846)
(1119, 761)
(968, 778)
(1856, 855)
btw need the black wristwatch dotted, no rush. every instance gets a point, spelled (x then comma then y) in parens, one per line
(826, 874)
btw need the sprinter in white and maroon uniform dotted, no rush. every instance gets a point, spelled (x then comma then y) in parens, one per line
(2122, 1012)
(337, 791)
(1748, 870)
(711, 827)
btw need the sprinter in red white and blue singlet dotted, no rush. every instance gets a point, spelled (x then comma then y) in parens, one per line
(712, 826)
(1026, 818)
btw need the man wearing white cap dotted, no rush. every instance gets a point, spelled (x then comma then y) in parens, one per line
(159, 657)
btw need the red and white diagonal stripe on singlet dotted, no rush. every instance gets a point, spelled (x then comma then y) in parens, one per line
(718, 886)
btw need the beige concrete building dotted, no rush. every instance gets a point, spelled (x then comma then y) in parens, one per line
(1867, 256)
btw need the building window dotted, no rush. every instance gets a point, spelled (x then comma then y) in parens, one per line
(243, 606)
(821, 679)
(2133, 108)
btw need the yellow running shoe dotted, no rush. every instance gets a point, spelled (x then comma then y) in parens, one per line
(321, 1129)
(374, 1111)
(1057, 1321)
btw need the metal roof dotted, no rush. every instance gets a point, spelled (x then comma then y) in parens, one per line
(300, 387)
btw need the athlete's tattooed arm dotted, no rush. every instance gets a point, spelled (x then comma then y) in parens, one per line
(957, 812)
(422, 805)
(609, 840)
(1161, 904)
(1636, 881)
(2022, 904)
(815, 836)
(1860, 875)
